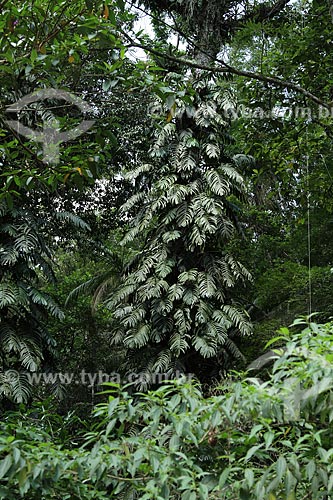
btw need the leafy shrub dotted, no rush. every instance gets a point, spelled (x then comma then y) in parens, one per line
(251, 441)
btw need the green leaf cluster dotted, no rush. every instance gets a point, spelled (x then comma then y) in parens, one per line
(251, 440)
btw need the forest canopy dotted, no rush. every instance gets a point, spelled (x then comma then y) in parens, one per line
(165, 209)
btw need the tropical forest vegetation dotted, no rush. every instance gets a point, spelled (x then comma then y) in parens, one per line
(166, 256)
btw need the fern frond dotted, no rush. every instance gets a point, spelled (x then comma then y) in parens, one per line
(141, 169)
(178, 344)
(132, 202)
(207, 348)
(73, 219)
(216, 183)
(15, 386)
(92, 286)
(163, 361)
(137, 338)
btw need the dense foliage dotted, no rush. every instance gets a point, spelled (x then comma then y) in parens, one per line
(176, 298)
(169, 238)
(250, 440)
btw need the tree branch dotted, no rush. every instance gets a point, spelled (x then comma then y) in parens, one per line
(231, 70)
(267, 12)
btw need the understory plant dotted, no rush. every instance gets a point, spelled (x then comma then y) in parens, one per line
(251, 440)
